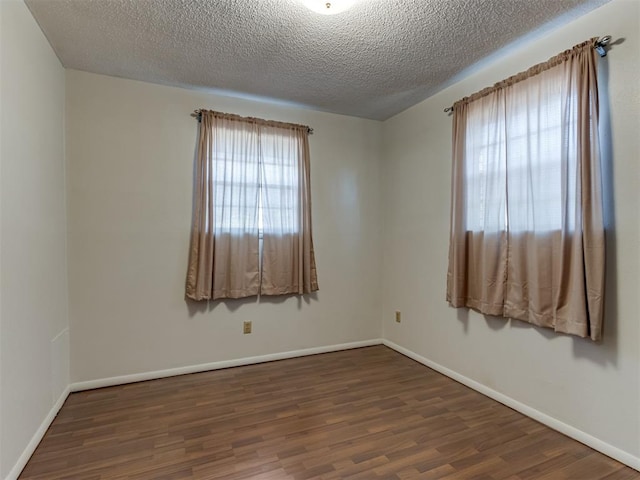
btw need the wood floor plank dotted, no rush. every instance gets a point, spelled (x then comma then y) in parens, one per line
(367, 414)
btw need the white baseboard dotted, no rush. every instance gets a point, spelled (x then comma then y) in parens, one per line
(583, 437)
(204, 367)
(139, 377)
(37, 437)
(593, 442)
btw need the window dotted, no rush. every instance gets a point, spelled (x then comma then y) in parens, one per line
(251, 232)
(518, 160)
(257, 179)
(527, 235)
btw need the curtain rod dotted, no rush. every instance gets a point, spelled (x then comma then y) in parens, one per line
(197, 114)
(598, 46)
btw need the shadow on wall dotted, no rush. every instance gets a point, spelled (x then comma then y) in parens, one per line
(234, 304)
(606, 352)
(462, 315)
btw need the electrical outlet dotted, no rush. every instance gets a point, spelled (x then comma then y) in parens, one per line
(398, 316)
(246, 327)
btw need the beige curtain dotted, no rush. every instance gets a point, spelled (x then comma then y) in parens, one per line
(251, 191)
(288, 263)
(527, 235)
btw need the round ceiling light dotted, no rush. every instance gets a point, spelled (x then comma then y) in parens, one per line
(329, 7)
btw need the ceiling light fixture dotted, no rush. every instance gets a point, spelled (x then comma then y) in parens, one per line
(329, 7)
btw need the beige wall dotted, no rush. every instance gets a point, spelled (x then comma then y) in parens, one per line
(34, 352)
(130, 148)
(592, 387)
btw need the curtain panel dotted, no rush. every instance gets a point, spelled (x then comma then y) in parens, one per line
(527, 234)
(251, 229)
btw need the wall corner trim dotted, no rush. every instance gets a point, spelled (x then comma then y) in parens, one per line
(551, 422)
(37, 436)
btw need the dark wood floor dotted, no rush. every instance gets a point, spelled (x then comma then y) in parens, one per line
(369, 413)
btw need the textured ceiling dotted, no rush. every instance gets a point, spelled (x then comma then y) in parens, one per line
(373, 61)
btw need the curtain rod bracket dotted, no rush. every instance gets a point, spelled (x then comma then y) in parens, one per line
(600, 45)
